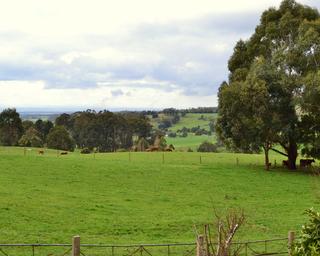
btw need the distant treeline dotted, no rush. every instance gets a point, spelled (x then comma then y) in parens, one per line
(173, 111)
(103, 131)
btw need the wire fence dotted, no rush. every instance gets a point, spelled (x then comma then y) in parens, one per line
(257, 248)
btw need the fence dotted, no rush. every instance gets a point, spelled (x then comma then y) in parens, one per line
(258, 248)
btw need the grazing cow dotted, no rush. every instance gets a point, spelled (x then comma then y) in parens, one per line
(306, 162)
(285, 163)
(64, 153)
(40, 152)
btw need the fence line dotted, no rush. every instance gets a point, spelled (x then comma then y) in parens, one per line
(277, 246)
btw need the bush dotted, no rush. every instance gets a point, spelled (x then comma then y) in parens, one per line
(172, 134)
(165, 124)
(309, 242)
(189, 150)
(184, 134)
(85, 151)
(31, 139)
(207, 147)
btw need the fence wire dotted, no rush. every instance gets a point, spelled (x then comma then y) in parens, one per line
(257, 248)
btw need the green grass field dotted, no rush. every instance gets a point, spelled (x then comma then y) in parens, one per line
(193, 120)
(107, 198)
(189, 120)
(192, 141)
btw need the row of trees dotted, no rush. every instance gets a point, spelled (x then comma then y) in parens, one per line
(104, 130)
(273, 93)
(14, 131)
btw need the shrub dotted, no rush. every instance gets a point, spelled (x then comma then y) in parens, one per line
(184, 134)
(85, 151)
(172, 134)
(165, 124)
(207, 147)
(31, 138)
(309, 242)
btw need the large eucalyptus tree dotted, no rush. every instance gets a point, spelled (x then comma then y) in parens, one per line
(273, 77)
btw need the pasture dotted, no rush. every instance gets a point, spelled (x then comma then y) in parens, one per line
(190, 120)
(145, 197)
(191, 141)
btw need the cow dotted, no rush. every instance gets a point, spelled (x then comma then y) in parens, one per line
(64, 153)
(40, 152)
(306, 162)
(285, 163)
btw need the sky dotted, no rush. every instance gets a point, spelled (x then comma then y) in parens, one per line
(124, 54)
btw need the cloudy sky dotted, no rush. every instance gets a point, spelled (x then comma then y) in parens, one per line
(120, 54)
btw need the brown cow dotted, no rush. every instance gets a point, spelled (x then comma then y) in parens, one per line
(64, 153)
(306, 162)
(285, 163)
(40, 152)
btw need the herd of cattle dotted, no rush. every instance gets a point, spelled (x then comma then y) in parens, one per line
(303, 163)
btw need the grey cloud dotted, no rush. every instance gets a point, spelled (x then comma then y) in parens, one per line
(235, 23)
(182, 56)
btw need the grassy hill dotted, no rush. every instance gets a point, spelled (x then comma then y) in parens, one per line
(122, 198)
(189, 120)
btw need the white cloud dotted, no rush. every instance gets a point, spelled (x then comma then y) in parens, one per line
(99, 97)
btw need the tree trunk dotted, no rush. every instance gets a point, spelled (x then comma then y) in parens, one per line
(266, 157)
(292, 155)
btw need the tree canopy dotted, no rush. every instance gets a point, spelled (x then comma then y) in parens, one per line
(266, 102)
(11, 127)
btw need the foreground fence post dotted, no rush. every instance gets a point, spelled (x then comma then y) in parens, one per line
(290, 241)
(76, 246)
(200, 246)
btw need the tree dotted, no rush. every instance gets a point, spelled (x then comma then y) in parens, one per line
(248, 122)
(26, 124)
(275, 61)
(31, 138)
(11, 127)
(59, 138)
(64, 120)
(43, 127)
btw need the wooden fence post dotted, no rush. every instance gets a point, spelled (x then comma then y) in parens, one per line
(163, 157)
(290, 241)
(200, 246)
(76, 246)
